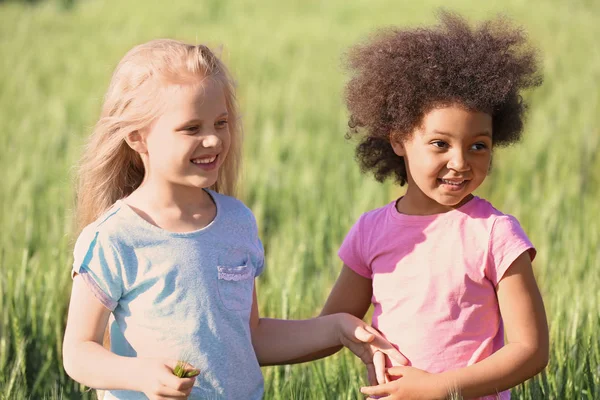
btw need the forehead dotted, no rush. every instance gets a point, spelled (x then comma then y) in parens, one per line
(455, 119)
(206, 97)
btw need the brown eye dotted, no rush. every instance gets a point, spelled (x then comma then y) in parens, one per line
(440, 144)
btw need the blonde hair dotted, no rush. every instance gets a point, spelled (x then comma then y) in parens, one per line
(109, 169)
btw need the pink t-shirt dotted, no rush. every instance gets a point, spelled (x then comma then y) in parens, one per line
(434, 279)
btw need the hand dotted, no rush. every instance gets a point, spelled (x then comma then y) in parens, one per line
(414, 384)
(158, 381)
(367, 344)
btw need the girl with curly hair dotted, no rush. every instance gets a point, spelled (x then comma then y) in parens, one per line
(448, 274)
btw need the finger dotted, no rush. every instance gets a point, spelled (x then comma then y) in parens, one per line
(178, 384)
(378, 390)
(395, 371)
(170, 393)
(381, 344)
(358, 349)
(362, 335)
(172, 381)
(379, 365)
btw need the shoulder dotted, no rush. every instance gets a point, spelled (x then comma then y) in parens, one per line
(370, 224)
(102, 241)
(106, 229)
(376, 216)
(500, 227)
(482, 209)
(232, 209)
(483, 212)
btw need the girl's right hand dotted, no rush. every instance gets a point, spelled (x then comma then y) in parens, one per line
(158, 381)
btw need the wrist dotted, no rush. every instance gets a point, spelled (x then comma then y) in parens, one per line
(443, 388)
(338, 324)
(134, 372)
(331, 329)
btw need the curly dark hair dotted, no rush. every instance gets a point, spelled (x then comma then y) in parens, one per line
(399, 75)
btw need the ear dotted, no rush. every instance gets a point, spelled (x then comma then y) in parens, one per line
(136, 141)
(397, 145)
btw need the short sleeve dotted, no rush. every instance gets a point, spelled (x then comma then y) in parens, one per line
(507, 242)
(258, 251)
(260, 258)
(351, 251)
(98, 263)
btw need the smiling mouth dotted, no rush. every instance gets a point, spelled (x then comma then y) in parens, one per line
(453, 184)
(207, 162)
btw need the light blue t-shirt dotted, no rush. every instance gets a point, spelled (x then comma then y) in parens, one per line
(179, 295)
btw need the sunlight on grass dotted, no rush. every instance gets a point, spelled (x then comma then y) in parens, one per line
(300, 178)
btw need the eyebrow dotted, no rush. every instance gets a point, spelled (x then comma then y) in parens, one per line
(198, 121)
(484, 133)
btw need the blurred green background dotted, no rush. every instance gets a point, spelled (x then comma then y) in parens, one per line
(300, 177)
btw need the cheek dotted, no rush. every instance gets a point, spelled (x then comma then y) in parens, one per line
(167, 154)
(157, 144)
(427, 164)
(226, 140)
(484, 164)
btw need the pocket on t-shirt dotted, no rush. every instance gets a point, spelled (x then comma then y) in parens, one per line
(235, 284)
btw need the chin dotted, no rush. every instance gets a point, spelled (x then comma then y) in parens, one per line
(201, 184)
(452, 202)
(206, 185)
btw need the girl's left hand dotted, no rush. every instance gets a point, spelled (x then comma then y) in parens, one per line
(413, 384)
(366, 343)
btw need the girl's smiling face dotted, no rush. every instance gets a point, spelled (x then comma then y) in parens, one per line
(188, 142)
(446, 159)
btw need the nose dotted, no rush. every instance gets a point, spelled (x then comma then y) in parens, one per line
(211, 140)
(458, 161)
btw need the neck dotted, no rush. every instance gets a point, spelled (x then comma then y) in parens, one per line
(415, 202)
(163, 195)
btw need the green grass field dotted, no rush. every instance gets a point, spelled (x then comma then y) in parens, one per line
(300, 177)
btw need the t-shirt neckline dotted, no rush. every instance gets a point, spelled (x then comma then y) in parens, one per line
(148, 225)
(418, 219)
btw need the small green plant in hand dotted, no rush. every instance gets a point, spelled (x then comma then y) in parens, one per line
(182, 370)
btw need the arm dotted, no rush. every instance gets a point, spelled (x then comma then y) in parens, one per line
(287, 341)
(83, 341)
(351, 294)
(525, 355)
(87, 362)
(278, 341)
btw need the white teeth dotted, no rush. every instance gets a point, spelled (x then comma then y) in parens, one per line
(204, 160)
(453, 183)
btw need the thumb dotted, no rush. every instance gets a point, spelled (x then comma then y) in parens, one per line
(381, 344)
(363, 335)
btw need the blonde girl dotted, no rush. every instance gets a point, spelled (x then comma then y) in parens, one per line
(168, 251)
